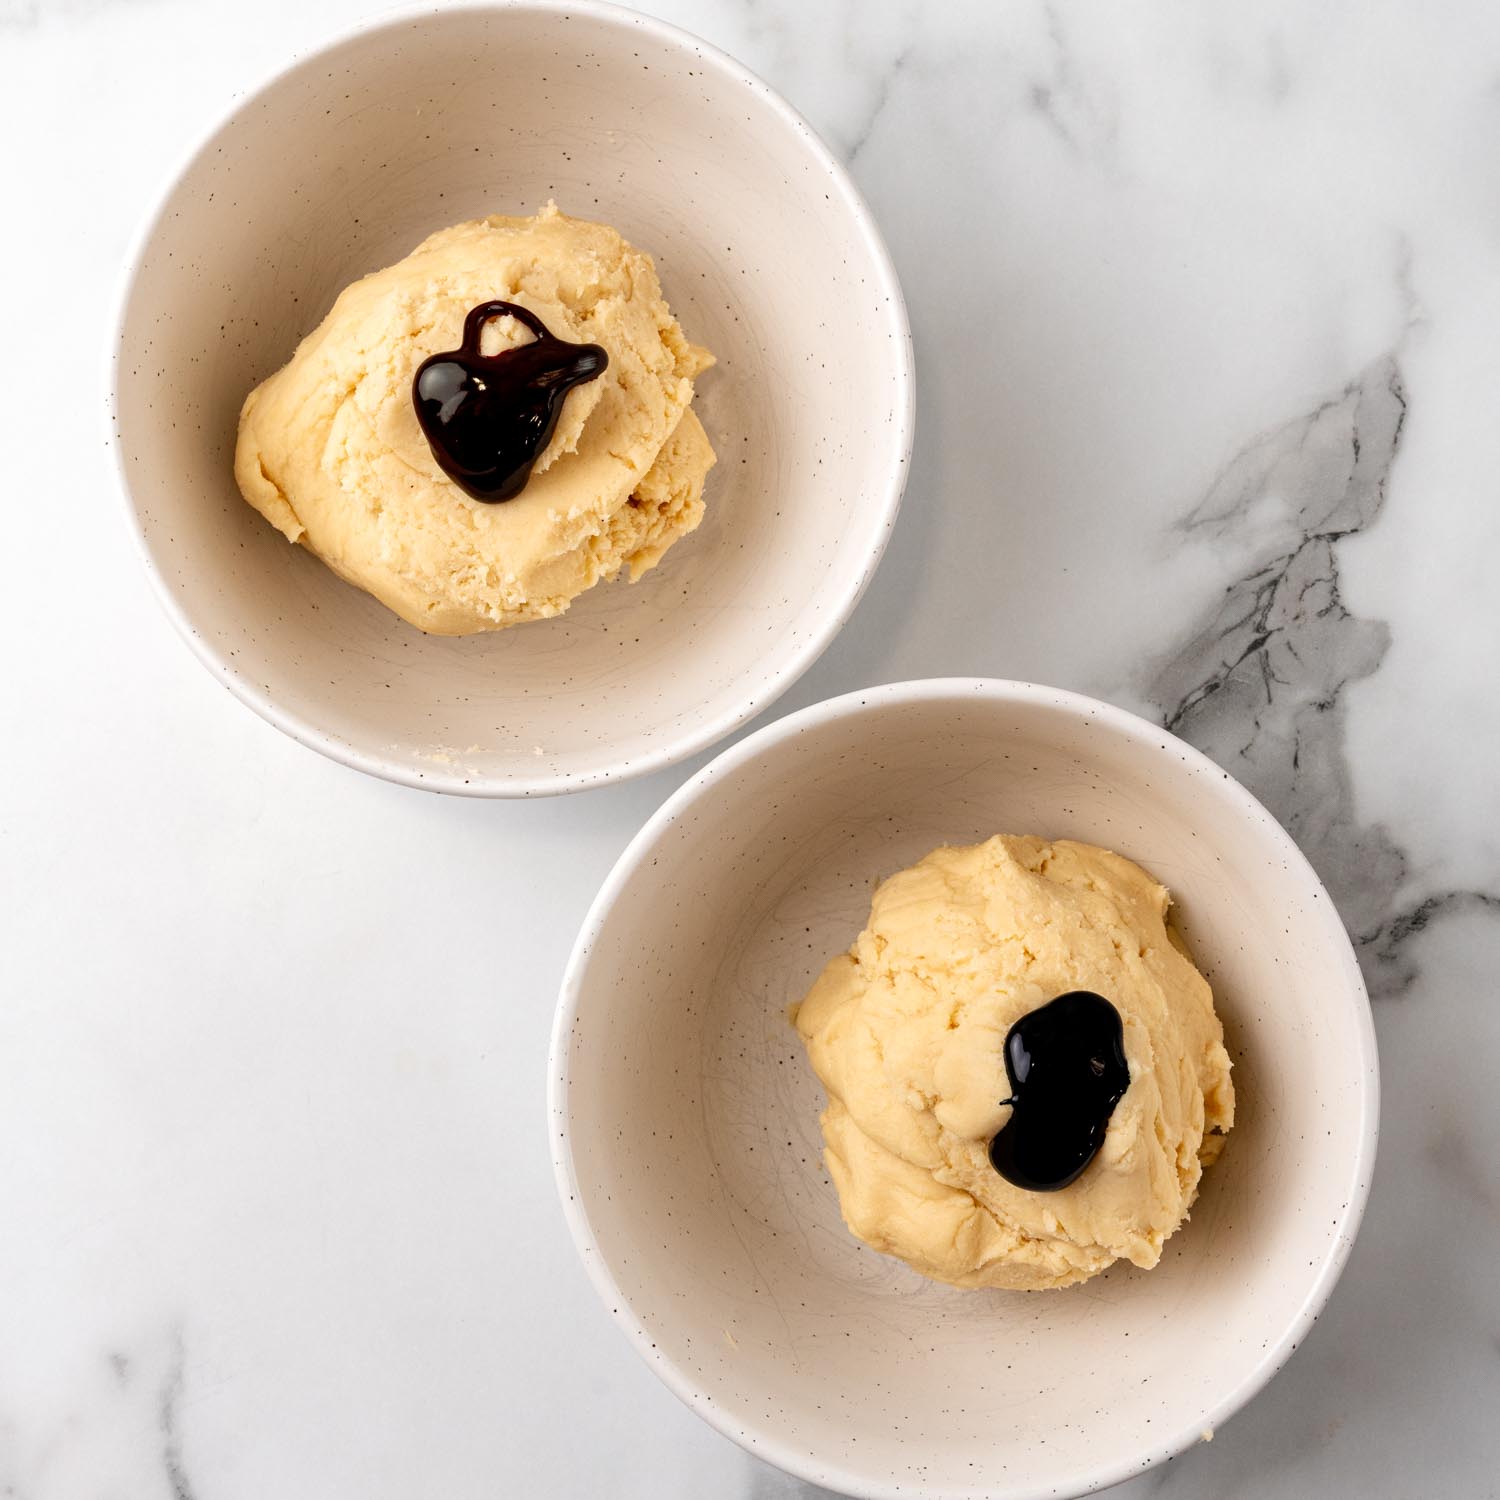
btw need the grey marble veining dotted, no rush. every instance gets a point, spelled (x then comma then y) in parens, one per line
(1083, 119)
(169, 1404)
(1259, 683)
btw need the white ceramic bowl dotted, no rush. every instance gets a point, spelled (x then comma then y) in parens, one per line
(344, 162)
(685, 1117)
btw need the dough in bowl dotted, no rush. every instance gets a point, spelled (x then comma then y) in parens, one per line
(907, 1033)
(331, 453)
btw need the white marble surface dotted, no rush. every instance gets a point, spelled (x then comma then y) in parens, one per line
(1205, 302)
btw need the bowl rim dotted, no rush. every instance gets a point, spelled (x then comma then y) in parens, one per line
(881, 504)
(759, 1437)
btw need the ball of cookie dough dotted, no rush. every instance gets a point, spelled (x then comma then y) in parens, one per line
(907, 1033)
(330, 451)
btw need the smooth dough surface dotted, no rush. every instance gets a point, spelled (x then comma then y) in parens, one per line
(331, 454)
(907, 1031)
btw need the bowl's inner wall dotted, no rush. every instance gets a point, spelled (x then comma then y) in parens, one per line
(694, 1114)
(345, 164)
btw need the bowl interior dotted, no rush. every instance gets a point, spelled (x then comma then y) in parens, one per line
(691, 1114)
(341, 166)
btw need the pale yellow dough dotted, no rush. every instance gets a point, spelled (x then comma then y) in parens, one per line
(331, 454)
(907, 1030)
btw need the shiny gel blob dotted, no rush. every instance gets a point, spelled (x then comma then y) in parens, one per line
(487, 417)
(1067, 1069)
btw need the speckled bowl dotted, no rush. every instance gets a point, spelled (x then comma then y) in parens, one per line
(685, 1117)
(344, 162)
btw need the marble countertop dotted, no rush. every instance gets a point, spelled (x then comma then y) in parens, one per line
(1204, 304)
